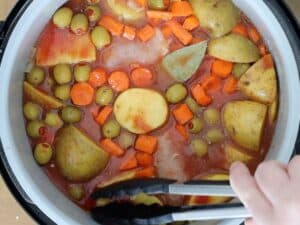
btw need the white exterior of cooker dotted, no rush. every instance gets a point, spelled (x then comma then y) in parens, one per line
(38, 187)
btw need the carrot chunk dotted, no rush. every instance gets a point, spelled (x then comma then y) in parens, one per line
(211, 83)
(146, 143)
(182, 131)
(82, 94)
(146, 33)
(129, 163)
(240, 29)
(147, 172)
(166, 31)
(182, 34)
(181, 8)
(119, 81)
(142, 77)
(222, 68)
(183, 114)
(161, 15)
(144, 159)
(97, 77)
(191, 23)
(129, 32)
(111, 147)
(104, 114)
(111, 24)
(200, 96)
(263, 49)
(230, 85)
(254, 35)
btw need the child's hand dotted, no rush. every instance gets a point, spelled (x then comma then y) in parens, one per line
(272, 196)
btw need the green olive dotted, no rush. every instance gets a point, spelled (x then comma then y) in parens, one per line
(111, 129)
(82, 72)
(157, 4)
(31, 111)
(199, 147)
(193, 105)
(42, 153)
(214, 136)
(62, 92)
(126, 139)
(104, 95)
(62, 18)
(93, 1)
(100, 37)
(239, 69)
(62, 73)
(35, 128)
(176, 93)
(36, 76)
(53, 120)
(79, 24)
(93, 13)
(196, 125)
(211, 116)
(71, 114)
(76, 192)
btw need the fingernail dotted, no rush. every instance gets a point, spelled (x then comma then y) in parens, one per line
(236, 165)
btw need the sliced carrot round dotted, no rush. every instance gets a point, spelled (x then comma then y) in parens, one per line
(142, 77)
(119, 81)
(97, 77)
(82, 94)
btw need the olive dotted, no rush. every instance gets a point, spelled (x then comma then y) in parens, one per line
(36, 76)
(100, 37)
(76, 192)
(79, 24)
(63, 17)
(62, 92)
(199, 147)
(31, 111)
(111, 129)
(82, 72)
(214, 136)
(62, 73)
(176, 93)
(193, 105)
(239, 69)
(211, 116)
(126, 139)
(93, 13)
(104, 95)
(93, 1)
(53, 120)
(158, 4)
(42, 153)
(196, 125)
(71, 114)
(35, 128)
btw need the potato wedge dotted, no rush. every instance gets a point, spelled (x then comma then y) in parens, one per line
(219, 17)
(41, 98)
(234, 154)
(145, 199)
(77, 157)
(234, 48)
(141, 110)
(244, 121)
(273, 111)
(259, 83)
(216, 177)
(127, 175)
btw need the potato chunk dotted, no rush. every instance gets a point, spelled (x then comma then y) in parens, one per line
(244, 122)
(219, 17)
(234, 48)
(259, 83)
(77, 157)
(234, 154)
(141, 110)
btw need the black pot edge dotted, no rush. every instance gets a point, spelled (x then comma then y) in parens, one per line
(281, 11)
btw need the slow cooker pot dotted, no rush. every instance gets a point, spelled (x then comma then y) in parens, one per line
(28, 182)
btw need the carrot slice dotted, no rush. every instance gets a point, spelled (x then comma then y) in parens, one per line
(142, 77)
(97, 77)
(230, 85)
(144, 159)
(183, 114)
(211, 83)
(119, 81)
(161, 15)
(104, 114)
(147, 172)
(129, 32)
(82, 94)
(240, 29)
(182, 34)
(200, 96)
(182, 131)
(222, 68)
(129, 163)
(254, 35)
(146, 143)
(111, 147)
(181, 8)
(146, 33)
(111, 24)
(191, 23)
(166, 31)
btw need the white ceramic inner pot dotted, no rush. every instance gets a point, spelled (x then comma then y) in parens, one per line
(39, 189)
